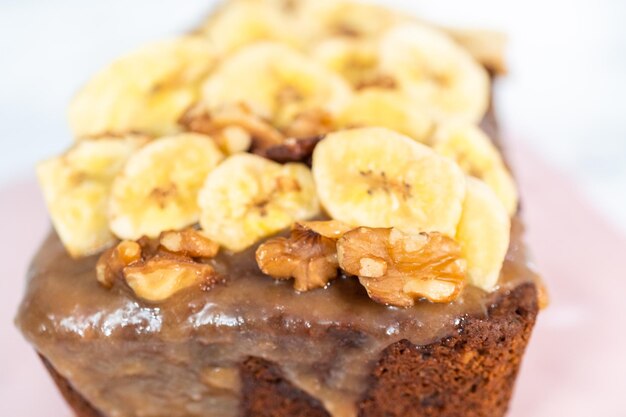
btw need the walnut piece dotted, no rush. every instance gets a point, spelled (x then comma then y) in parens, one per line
(216, 123)
(162, 276)
(292, 150)
(236, 128)
(396, 268)
(189, 242)
(310, 124)
(112, 261)
(155, 269)
(332, 229)
(306, 255)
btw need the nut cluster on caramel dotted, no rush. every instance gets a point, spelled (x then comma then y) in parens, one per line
(156, 269)
(395, 268)
(309, 254)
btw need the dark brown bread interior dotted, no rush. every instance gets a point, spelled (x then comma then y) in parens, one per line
(469, 374)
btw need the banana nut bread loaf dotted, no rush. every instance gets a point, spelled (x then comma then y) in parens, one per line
(299, 209)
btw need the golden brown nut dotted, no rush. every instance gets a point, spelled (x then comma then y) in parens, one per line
(155, 269)
(332, 229)
(111, 263)
(161, 277)
(292, 150)
(262, 134)
(312, 123)
(189, 242)
(396, 268)
(237, 128)
(306, 255)
(233, 139)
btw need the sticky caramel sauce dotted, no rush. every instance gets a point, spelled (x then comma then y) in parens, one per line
(179, 358)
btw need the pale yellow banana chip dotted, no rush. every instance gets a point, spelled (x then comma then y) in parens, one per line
(145, 91)
(438, 74)
(484, 233)
(376, 177)
(248, 197)
(356, 60)
(330, 18)
(277, 83)
(476, 154)
(158, 188)
(241, 23)
(387, 108)
(76, 187)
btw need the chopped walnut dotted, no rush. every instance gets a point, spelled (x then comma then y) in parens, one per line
(155, 269)
(263, 134)
(310, 124)
(111, 262)
(233, 139)
(543, 296)
(332, 229)
(236, 128)
(189, 242)
(162, 276)
(306, 255)
(397, 268)
(292, 150)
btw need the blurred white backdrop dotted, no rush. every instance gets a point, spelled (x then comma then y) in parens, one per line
(564, 94)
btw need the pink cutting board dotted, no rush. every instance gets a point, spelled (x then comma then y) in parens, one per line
(576, 362)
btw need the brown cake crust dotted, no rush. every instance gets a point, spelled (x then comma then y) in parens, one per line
(469, 374)
(266, 393)
(76, 401)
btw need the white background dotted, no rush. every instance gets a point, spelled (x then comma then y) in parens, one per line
(565, 94)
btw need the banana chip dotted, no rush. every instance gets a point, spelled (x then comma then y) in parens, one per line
(146, 91)
(484, 234)
(277, 83)
(440, 76)
(376, 177)
(331, 18)
(390, 109)
(472, 149)
(158, 188)
(249, 197)
(241, 23)
(76, 187)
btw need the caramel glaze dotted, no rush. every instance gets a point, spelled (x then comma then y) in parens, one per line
(179, 358)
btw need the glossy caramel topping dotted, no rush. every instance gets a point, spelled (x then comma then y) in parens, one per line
(129, 357)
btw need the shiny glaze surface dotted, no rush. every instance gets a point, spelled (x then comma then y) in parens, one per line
(179, 358)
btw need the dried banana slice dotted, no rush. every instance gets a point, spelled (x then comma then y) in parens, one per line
(390, 109)
(240, 23)
(440, 76)
(472, 149)
(376, 177)
(158, 188)
(484, 234)
(330, 18)
(145, 91)
(76, 188)
(356, 60)
(277, 83)
(249, 197)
